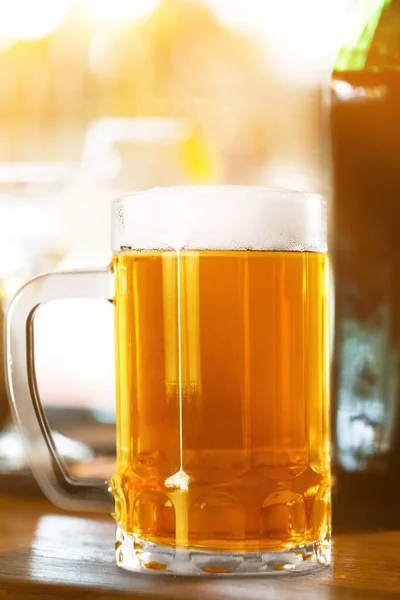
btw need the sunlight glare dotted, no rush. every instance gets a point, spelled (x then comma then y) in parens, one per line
(30, 20)
(303, 37)
(121, 10)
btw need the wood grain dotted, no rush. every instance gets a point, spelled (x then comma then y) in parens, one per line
(46, 554)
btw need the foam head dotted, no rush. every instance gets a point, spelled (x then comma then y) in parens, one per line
(219, 218)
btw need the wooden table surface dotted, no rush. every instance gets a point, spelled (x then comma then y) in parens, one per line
(45, 553)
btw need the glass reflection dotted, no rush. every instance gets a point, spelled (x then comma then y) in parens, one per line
(367, 392)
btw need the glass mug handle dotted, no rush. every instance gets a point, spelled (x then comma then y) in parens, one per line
(47, 464)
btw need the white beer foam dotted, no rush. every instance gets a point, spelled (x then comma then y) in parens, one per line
(219, 218)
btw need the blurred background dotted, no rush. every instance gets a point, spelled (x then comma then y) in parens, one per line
(99, 97)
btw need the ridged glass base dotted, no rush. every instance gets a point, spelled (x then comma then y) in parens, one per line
(138, 555)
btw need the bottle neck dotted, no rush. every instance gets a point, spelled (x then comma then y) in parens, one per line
(384, 53)
(374, 41)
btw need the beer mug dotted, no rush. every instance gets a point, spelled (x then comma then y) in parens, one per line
(222, 381)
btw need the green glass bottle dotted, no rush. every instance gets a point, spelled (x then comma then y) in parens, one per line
(365, 127)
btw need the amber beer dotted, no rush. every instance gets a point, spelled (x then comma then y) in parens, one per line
(222, 398)
(222, 376)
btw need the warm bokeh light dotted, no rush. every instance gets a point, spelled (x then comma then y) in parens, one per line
(31, 19)
(121, 10)
(303, 36)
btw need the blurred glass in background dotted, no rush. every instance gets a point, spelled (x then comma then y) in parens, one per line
(99, 97)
